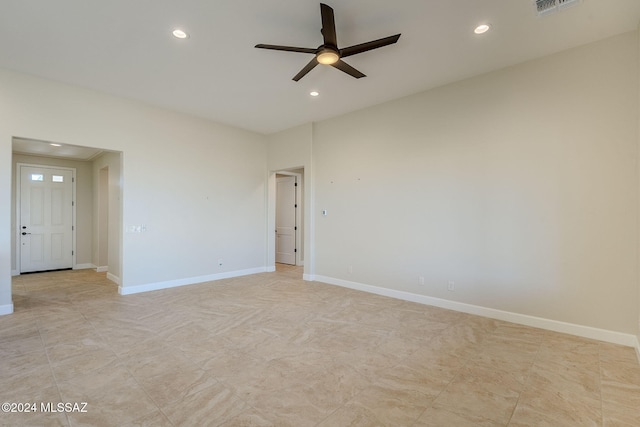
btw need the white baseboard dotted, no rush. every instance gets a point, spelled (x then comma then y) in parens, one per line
(271, 269)
(113, 278)
(102, 269)
(308, 277)
(6, 309)
(638, 347)
(83, 266)
(15, 273)
(628, 340)
(128, 290)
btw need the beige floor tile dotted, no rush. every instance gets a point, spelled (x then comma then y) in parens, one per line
(114, 403)
(83, 364)
(27, 388)
(333, 386)
(100, 380)
(573, 352)
(210, 406)
(564, 407)
(525, 416)
(485, 397)
(273, 350)
(248, 418)
(497, 380)
(617, 415)
(353, 416)
(563, 378)
(622, 372)
(46, 392)
(616, 354)
(512, 331)
(175, 385)
(424, 384)
(290, 409)
(435, 358)
(37, 419)
(152, 357)
(438, 417)
(19, 328)
(500, 354)
(622, 393)
(153, 419)
(21, 345)
(383, 405)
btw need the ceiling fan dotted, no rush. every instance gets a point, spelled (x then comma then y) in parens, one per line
(328, 53)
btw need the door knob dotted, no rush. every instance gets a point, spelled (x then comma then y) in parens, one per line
(24, 233)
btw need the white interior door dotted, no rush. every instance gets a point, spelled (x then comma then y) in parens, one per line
(46, 218)
(286, 220)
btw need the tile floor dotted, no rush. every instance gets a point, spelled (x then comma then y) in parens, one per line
(273, 350)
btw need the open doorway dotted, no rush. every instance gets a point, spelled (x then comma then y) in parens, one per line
(288, 200)
(96, 201)
(286, 209)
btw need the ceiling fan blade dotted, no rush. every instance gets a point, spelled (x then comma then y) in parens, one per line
(343, 66)
(359, 48)
(328, 25)
(286, 48)
(310, 66)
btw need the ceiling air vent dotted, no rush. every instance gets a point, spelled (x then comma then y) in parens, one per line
(546, 7)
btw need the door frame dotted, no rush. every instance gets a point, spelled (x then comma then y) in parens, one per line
(301, 231)
(19, 210)
(296, 233)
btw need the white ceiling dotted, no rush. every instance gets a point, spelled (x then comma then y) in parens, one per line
(48, 149)
(125, 48)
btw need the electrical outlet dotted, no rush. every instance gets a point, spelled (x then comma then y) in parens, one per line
(220, 262)
(421, 280)
(451, 286)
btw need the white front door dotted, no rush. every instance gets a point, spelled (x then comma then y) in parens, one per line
(286, 220)
(46, 218)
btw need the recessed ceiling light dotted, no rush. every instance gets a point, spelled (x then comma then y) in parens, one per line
(314, 93)
(482, 28)
(55, 145)
(179, 34)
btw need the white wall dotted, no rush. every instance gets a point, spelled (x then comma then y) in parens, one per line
(84, 204)
(199, 187)
(520, 186)
(290, 149)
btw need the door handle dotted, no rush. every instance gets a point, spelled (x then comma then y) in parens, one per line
(24, 233)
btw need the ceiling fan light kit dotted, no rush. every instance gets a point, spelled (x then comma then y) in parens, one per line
(328, 53)
(327, 56)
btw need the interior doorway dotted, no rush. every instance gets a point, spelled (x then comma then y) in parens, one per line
(286, 229)
(97, 207)
(289, 217)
